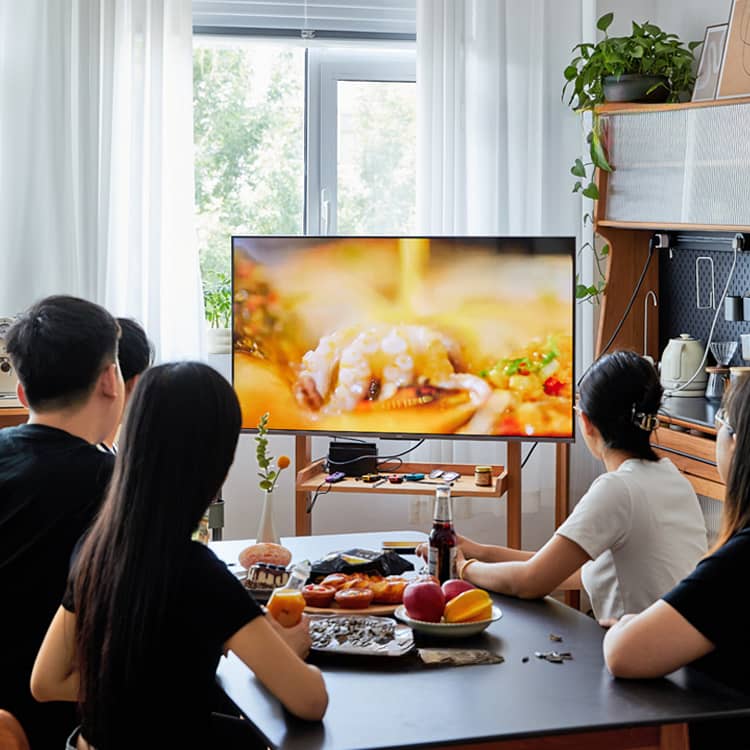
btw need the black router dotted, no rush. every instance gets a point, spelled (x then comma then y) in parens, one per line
(354, 459)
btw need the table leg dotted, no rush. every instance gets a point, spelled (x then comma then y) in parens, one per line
(302, 457)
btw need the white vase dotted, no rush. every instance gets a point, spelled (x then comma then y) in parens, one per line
(266, 528)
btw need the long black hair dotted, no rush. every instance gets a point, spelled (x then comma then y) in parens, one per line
(736, 512)
(179, 438)
(621, 396)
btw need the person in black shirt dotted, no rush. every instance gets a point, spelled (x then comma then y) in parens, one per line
(148, 612)
(703, 620)
(52, 482)
(134, 353)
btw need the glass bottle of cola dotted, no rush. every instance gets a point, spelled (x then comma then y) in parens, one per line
(441, 557)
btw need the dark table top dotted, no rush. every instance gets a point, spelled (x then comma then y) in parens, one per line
(397, 702)
(701, 411)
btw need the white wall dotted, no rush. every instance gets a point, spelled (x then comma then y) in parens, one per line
(686, 18)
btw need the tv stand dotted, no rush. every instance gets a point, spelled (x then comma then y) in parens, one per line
(506, 481)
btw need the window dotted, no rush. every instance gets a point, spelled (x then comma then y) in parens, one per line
(290, 140)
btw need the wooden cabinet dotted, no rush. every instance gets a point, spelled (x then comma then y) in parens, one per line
(678, 169)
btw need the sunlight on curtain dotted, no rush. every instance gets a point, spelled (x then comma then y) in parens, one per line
(96, 185)
(495, 145)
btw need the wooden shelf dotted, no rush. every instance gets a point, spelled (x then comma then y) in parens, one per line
(312, 478)
(624, 108)
(665, 226)
(12, 415)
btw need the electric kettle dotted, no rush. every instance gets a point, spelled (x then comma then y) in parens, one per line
(679, 361)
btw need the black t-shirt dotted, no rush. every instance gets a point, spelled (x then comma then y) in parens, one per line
(712, 600)
(208, 606)
(51, 486)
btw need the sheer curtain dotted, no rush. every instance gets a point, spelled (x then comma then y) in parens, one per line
(96, 167)
(495, 144)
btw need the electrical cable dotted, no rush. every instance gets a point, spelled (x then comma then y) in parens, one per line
(314, 497)
(628, 308)
(528, 455)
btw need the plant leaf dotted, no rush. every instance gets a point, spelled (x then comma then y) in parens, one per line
(578, 170)
(591, 191)
(604, 22)
(582, 291)
(604, 250)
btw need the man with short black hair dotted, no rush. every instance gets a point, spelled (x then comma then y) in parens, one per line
(52, 482)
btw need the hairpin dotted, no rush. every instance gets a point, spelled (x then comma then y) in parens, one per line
(645, 422)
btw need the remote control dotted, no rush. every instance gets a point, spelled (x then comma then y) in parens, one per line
(337, 476)
(450, 476)
(416, 477)
(435, 473)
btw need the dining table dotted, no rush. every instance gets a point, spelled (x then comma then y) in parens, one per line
(525, 701)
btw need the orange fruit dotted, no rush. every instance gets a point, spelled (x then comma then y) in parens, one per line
(469, 606)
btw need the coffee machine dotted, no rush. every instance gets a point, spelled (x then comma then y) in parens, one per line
(8, 379)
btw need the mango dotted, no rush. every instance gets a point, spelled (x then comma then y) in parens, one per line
(469, 606)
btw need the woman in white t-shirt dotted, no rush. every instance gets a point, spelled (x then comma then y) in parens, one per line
(635, 533)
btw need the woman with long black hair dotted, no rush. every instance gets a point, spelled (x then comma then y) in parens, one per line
(636, 531)
(148, 612)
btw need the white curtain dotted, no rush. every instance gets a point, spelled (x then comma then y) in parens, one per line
(496, 142)
(96, 166)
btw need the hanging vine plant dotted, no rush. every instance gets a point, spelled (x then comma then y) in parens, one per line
(649, 65)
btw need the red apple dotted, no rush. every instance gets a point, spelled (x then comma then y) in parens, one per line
(424, 600)
(455, 586)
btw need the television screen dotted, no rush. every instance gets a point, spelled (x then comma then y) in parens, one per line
(463, 337)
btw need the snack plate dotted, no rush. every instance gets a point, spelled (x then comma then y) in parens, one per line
(373, 609)
(448, 629)
(401, 643)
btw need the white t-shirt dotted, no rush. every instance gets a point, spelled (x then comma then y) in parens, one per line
(644, 531)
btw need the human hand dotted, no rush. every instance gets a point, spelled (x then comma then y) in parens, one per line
(297, 637)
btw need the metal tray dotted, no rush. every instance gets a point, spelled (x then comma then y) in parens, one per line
(356, 628)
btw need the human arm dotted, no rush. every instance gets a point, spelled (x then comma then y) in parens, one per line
(483, 552)
(555, 566)
(653, 643)
(54, 677)
(299, 686)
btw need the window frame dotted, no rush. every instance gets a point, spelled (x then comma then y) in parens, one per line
(326, 66)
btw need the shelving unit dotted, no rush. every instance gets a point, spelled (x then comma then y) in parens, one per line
(506, 483)
(709, 184)
(312, 478)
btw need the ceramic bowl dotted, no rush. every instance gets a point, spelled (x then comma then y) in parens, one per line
(448, 629)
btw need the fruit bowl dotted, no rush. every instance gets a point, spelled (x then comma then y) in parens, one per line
(448, 629)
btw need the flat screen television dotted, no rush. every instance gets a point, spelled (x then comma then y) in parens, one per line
(460, 337)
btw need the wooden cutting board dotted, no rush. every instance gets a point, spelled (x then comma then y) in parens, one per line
(373, 609)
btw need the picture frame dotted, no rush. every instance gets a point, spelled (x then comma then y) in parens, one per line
(709, 67)
(734, 79)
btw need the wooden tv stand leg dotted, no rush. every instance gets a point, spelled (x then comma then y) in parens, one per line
(302, 457)
(513, 523)
(562, 504)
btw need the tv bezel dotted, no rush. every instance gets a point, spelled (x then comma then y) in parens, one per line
(334, 434)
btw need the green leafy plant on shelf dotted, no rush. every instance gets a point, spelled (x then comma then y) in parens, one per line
(217, 300)
(667, 67)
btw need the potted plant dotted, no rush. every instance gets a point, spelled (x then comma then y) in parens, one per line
(648, 65)
(217, 301)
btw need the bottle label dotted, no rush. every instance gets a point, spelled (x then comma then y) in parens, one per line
(441, 562)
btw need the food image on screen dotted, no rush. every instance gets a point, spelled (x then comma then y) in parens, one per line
(467, 337)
